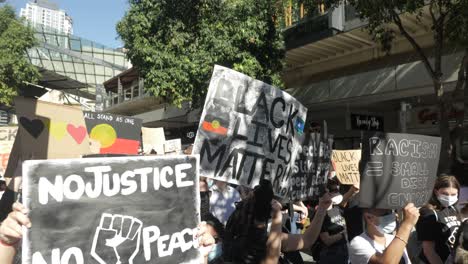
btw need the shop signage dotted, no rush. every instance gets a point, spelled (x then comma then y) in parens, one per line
(367, 122)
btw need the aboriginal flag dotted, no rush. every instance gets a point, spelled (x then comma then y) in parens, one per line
(115, 134)
(215, 125)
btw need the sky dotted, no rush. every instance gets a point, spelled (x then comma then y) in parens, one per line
(92, 19)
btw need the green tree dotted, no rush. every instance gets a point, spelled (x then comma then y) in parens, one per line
(15, 68)
(174, 44)
(448, 22)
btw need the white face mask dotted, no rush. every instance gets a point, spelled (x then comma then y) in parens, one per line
(337, 199)
(387, 224)
(447, 200)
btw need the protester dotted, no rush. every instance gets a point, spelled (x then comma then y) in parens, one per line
(377, 244)
(223, 200)
(246, 237)
(333, 236)
(213, 225)
(7, 198)
(440, 222)
(300, 212)
(461, 253)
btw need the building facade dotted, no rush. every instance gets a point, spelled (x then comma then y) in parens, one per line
(47, 14)
(337, 70)
(125, 95)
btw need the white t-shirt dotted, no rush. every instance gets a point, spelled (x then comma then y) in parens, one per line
(223, 203)
(362, 248)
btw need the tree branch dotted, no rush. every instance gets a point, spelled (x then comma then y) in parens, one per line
(431, 11)
(461, 75)
(412, 41)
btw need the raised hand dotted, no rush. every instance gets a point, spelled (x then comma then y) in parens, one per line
(411, 214)
(117, 239)
(11, 228)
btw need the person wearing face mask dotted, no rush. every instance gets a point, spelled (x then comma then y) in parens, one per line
(377, 244)
(213, 226)
(333, 238)
(440, 222)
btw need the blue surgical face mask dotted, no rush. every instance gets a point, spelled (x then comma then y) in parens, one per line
(387, 224)
(216, 252)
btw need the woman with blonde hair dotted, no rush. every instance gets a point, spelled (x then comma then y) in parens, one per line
(439, 223)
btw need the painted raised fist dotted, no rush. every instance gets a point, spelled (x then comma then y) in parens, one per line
(117, 239)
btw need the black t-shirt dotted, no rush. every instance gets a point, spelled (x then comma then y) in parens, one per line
(441, 227)
(334, 223)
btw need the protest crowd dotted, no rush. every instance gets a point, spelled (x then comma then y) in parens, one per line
(201, 206)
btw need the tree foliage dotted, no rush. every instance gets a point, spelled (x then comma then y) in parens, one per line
(15, 68)
(175, 43)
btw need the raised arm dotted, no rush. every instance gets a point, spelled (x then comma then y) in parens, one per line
(394, 252)
(274, 238)
(306, 240)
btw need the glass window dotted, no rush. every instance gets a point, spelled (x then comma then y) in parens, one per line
(58, 65)
(119, 60)
(109, 72)
(81, 78)
(100, 69)
(89, 68)
(100, 79)
(69, 67)
(79, 68)
(99, 56)
(75, 45)
(109, 58)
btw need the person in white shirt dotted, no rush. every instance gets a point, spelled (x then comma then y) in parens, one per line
(223, 200)
(377, 244)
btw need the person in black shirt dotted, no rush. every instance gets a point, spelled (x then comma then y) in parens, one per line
(333, 233)
(439, 223)
(461, 255)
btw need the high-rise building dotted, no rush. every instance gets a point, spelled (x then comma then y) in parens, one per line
(47, 14)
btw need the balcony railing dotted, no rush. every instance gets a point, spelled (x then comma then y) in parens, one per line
(126, 94)
(296, 12)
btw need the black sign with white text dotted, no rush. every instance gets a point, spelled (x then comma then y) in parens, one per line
(112, 210)
(397, 169)
(312, 166)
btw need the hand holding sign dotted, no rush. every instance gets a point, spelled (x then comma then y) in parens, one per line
(117, 239)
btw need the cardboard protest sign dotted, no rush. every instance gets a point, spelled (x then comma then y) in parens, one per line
(173, 145)
(248, 130)
(49, 131)
(397, 169)
(131, 210)
(7, 138)
(153, 139)
(114, 134)
(346, 164)
(312, 166)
